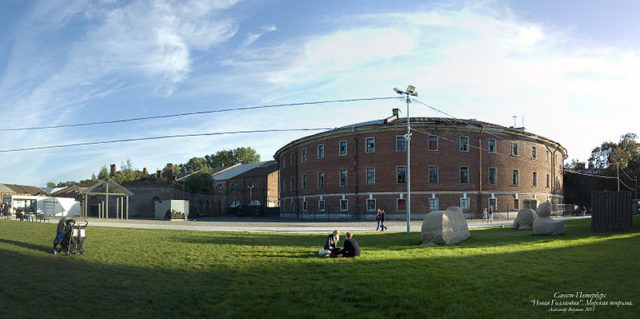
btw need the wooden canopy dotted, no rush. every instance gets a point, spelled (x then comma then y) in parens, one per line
(102, 191)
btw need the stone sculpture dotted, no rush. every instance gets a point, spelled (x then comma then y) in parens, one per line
(525, 219)
(444, 227)
(544, 225)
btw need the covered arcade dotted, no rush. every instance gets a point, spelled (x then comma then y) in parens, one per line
(102, 194)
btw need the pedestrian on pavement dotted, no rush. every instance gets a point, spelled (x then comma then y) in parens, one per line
(491, 214)
(381, 217)
(485, 216)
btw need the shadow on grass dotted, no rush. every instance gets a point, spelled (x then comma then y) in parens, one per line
(27, 245)
(281, 282)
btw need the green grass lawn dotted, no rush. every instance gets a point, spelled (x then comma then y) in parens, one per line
(176, 274)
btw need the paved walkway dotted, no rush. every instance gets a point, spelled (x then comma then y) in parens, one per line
(278, 226)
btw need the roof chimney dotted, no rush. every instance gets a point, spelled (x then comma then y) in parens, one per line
(169, 172)
(113, 170)
(159, 174)
(395, 112)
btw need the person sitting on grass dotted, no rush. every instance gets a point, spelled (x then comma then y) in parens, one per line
(64, 225)
(351, 247)
(331, 245)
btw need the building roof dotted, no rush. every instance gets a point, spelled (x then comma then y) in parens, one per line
(262, 170)
(21, 189)
(237, 170)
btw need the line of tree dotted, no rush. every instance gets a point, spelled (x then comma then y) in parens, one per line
(199, 170)
(604, 159)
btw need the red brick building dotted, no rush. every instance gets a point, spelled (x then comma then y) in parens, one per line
(353, 170)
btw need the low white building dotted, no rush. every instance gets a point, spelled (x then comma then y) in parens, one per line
(49, 206)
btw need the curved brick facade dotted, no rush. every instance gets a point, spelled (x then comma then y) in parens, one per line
(354, 170)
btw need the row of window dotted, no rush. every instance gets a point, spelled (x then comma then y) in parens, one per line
(401, 177)
(434, 204)
(401, 146)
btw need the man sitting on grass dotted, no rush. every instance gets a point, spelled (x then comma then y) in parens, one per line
(351, 247)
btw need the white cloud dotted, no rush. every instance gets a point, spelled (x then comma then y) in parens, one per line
(253, 37)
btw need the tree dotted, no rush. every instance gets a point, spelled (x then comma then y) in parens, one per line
(200, 183)
(103, 173)
(244, 155)
(126, 174)
(608, 155)
(196, 164)
(575, 165)
(51, 184)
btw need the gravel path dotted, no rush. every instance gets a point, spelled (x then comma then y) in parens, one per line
(276, 226)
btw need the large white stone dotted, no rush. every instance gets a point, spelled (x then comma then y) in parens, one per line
(544, 225)
(544, 210)
(525, 218)
(444, 227)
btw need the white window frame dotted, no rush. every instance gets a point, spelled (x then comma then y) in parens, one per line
(398, 204)
(515, 149)
(466, 149)
(346, 148)
(496, 203)
(534, 177)
(437, 204)
(304, 181)
(304, 205)
(468, 204)
(366, 145)
(320, 179)
(344, 208)
(405, 143)
(534, 152)
(398, 175)
(375, 205)
(429, 174)
(346, 178)
(468, 174)
(515, 177)
(429, 145)
(321, 208)
(495, 178)
(495, 146)
(367, 175)
(548, 180)
(320, 151)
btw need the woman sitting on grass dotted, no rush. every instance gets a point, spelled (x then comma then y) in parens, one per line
(351, 247)
(331, 245)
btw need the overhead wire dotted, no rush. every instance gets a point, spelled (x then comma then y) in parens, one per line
(246, 108)
(160, 137)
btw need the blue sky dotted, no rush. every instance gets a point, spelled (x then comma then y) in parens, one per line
(571, 68)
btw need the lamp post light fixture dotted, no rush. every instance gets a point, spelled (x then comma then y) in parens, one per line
(411, 91)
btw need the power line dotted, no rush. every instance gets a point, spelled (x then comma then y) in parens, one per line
(126, 140)
(196, 113)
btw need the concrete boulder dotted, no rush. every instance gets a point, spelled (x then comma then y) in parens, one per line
(525, 219)
(444, 227)
(544, 225)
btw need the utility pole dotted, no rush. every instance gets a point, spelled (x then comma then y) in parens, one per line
(411, 91)
(618, 174)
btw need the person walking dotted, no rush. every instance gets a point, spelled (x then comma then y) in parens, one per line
(485, 216)
(382, 216)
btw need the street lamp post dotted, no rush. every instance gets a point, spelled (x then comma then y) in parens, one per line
(411, 91)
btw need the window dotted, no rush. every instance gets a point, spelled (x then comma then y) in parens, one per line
(433, 174)
(516, 204)
(514, 149)
(401, 174)
(293, 206)
(371, 205)
(370, 145)
(464, 175)
(434, 204)
(304, 155)
(304, 206)
(293, 182)
(547, 155)
(547, 180)
(464, 143)
(320, 179)
(534, 152)
(432, 144)
(371, 176)
(284, 185)
(535, 179)
(343, 148)
(235, 186)
(321, 205)
(401, 144)
(320, 150)
(493, 202)
(343, 177)
(344, 205)
(491, 146)
(493, 176)
(304, 181)
(401, 204)
(516, 177)
(464, 204)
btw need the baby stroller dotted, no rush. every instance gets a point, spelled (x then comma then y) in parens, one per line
(73, 239)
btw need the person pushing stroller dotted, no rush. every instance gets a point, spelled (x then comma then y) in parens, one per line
(64, 226)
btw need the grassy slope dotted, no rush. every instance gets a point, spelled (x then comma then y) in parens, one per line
(159, 273)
